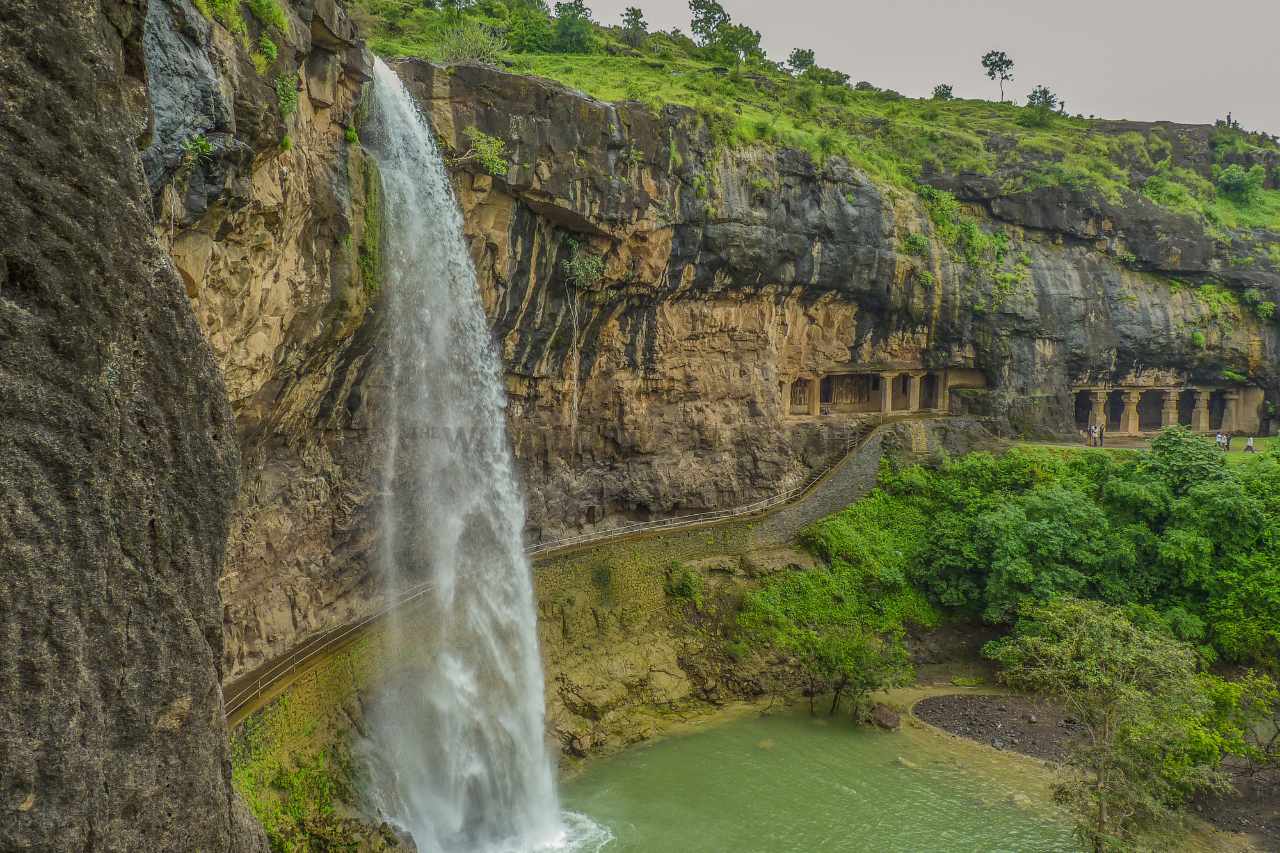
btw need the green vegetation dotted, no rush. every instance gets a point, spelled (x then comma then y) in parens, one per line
(752, 101)
(999, 67)
(1156, 729)
(370, 255)
(489, 151)
(583, 268)
(287, 94)
(197, 149)
(270, 13)
(1178, 532)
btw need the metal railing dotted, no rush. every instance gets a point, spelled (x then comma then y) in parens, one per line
(245, 694)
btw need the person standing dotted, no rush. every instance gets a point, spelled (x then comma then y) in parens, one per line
(1248, 446)
(1102, 435)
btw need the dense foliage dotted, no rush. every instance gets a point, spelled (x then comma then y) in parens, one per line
(1156, 729)
(721, 70)
(1176, 534)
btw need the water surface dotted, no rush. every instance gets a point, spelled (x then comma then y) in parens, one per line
(789, 783)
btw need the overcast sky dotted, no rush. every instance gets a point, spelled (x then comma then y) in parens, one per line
(1137, 59)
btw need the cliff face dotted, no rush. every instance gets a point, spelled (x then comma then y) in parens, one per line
(653, 294)
(726, 274)
(117, 467)
(264, 200)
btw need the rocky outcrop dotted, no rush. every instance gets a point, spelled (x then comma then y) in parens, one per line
(117, 467)
(263, 196)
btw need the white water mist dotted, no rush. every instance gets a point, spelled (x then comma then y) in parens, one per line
(459, 758)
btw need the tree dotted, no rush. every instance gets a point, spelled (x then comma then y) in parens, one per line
(573, 27)
(801, 60)
(943, 92)
(739, 41)
(634, 28)
(855, 663)
(1043, 98)
(1152, 735)
(999, 67)
(708, 17)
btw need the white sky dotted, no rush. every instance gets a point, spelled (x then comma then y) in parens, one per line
(1136, 59)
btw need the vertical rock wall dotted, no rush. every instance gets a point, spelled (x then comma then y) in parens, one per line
(117, 467)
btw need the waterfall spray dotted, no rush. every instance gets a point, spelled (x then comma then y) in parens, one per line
(457, 748)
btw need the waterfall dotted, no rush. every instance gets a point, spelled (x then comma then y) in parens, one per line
(456, 744)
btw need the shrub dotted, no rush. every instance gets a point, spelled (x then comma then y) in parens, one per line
(351, 135)
(685, 583)
(287, 93)
(267, 47)
(488, 151)
(471, 43)
(1198, 340)
(915, 244)
(943, 92)
(1239, 184)
(197, 149)
(583, 268)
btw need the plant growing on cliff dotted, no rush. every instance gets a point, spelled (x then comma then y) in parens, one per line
(943, 92)
(999, 67)
(270, 13)
(583, 268)
(287, 94)
(197, 149)
(488, 151)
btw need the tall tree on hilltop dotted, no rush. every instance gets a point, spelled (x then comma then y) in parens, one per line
(999, 67)
(634, 28)
(708, 17)
(801, 60)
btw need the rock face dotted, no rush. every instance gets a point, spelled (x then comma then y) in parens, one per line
(653, 294)
(266, 210)
(117, 467)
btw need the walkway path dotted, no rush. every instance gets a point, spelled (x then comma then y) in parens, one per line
(780, 517)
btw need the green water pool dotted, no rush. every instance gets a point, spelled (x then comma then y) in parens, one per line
(789, 783)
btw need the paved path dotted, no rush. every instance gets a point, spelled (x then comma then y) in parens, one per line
(848, 480)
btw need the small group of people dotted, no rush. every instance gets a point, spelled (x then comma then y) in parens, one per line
(1224, 443)
(1096, 435)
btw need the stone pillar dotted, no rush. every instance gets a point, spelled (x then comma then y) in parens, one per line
(1129, 418)
(1097, 408)
(815, 395)
(944, 392)
(1200, 415)
(913, 392)
(1230, 416)
(886, 392)
(1169, 414)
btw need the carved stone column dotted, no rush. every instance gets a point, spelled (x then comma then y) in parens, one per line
(1129, 418)
(1169, 414)
(913, 391)
(815, 395)
(1200, 414)
(886, 392)
(1097, 408)
(1231, 415)
(944, 393)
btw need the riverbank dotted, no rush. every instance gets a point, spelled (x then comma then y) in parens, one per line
(1249, 820)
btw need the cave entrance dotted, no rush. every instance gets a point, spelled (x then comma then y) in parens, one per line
(901, 392)
(1187, 407)
(800, 397)
(1115, 410)
(929, 391)
(1083, 409)
(851, 392)
(1150, 411)
(1217, 409)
